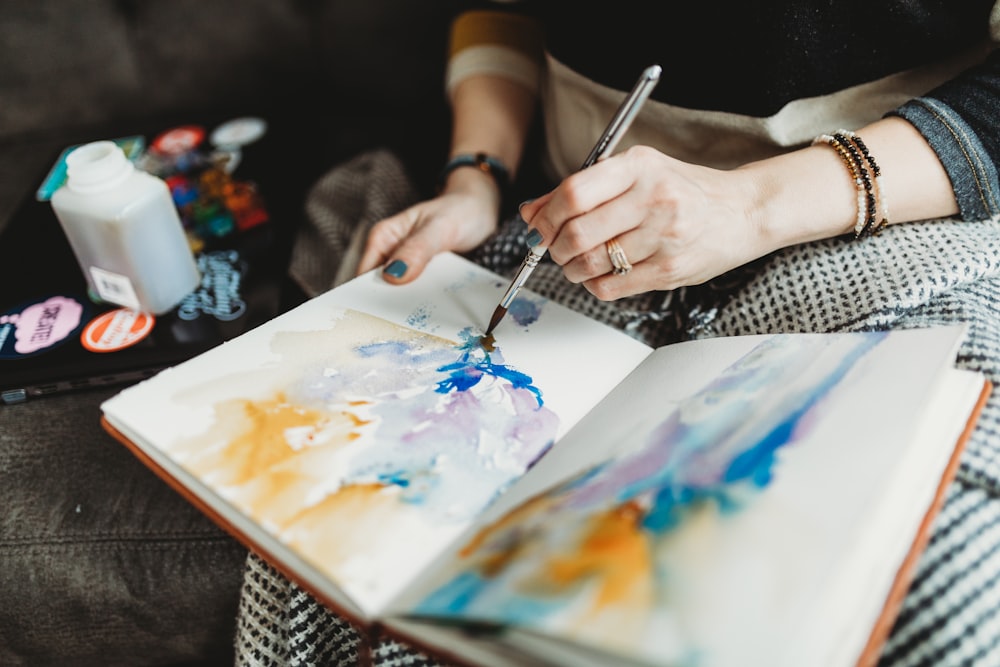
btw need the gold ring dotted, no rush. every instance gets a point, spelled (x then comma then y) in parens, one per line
(618, 259)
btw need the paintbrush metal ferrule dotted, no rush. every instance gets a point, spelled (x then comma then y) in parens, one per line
(527, 266)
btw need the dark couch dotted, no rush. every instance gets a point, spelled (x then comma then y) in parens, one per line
(100, 562)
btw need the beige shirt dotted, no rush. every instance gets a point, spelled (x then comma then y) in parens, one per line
(576, 111)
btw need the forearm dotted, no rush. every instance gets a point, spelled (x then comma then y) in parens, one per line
(809, 194)
(492, 115)
(494, 66)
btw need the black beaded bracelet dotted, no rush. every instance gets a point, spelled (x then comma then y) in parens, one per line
(485, 163)
(862, 182)
(876, 173)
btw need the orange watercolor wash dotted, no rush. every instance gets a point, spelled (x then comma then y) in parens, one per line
(615, 550)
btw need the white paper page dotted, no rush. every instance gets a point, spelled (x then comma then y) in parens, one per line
(862, 584)
(330, 427)
(724, 539)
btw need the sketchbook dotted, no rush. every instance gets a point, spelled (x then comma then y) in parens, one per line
(560, 493)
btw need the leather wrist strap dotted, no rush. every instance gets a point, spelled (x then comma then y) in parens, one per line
(485, 163)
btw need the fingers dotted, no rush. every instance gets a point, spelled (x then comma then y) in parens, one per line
(382, 241)
(609, 202)
(607, 287)
(573, 217)
(528, 209)
(578, 218)
(402, 255)
(635, 247)
(405, 243)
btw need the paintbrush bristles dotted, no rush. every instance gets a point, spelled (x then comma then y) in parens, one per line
(495, 320)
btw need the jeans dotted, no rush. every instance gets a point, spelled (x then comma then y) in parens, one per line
(959, 121)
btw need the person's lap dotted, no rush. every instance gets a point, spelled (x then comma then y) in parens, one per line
(908, 276)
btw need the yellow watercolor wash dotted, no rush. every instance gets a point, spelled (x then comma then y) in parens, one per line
(272, 458)
(267, 477)
(313, 530)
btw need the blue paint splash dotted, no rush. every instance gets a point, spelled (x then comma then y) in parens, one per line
(720, 446)
(728, 454)
(476, 362)
(447, 425)
(419, 318)
(525, 311)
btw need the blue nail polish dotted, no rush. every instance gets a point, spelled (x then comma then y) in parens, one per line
(396, 268)
(534, 238)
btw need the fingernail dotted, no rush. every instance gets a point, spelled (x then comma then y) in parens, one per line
(534, 238)
(396, 268)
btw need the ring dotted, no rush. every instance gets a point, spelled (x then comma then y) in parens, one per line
(618, 259)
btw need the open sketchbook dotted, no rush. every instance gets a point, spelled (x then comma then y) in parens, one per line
(561, 493)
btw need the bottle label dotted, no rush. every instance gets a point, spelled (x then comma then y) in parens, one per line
(114, 287)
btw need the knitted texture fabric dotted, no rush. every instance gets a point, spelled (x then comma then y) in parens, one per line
(912, 275)
(340, 209)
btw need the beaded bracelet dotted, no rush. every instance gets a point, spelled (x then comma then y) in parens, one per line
(859, 183)
(876, 174)
(867, 180)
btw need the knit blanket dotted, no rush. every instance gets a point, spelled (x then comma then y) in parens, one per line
(913, 275)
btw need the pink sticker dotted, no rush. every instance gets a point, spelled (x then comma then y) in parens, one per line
(44, 324)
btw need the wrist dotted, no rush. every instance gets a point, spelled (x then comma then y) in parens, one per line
(474, 196)
(799, 197)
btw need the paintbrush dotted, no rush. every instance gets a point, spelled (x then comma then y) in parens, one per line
(609, 139)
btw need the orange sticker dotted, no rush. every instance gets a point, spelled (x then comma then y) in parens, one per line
(116, 330)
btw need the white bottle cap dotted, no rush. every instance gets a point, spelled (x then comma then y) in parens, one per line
(96, 166)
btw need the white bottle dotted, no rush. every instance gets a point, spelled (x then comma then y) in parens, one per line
(124, 230)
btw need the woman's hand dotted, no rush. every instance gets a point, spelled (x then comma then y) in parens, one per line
(682, 224)
(458, 219)
(490, 114)
(679, 224)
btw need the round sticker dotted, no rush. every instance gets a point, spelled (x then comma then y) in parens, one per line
(116, 330)
(179, 140)
(39, 326)
(239, 132)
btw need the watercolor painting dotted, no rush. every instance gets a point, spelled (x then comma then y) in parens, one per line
(388, 427)
(361, 433)
(603, 558)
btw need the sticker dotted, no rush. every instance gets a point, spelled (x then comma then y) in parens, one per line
(218, 295)
(239, 132)
(133, 147)
(179, 140)
(116, 330)
(39, 326)
(114, 287)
